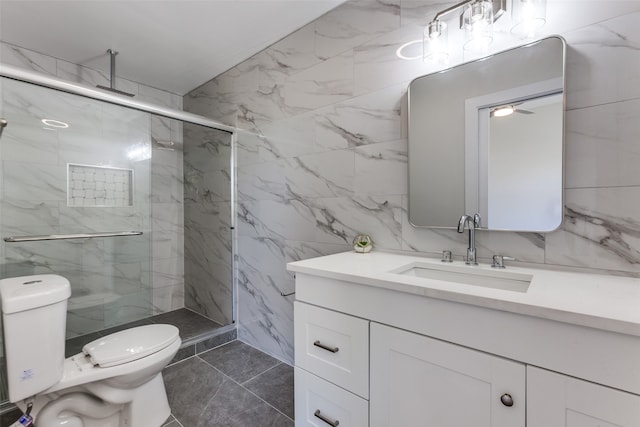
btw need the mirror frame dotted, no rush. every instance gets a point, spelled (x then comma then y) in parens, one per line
(465, 142)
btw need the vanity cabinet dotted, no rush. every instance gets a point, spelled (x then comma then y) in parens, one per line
(375, 351)
(415, 378)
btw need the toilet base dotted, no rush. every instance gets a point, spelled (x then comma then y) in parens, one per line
(75, 407)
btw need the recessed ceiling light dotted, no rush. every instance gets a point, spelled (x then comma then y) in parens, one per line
(503, 111)
(401, 52)
(55, 123)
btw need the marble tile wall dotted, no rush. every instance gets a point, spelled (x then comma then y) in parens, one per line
(165, 200)
(322, 150)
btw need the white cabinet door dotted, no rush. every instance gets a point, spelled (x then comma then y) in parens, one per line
(422, 382)
(555, 400)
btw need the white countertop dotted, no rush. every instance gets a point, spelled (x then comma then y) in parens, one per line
(599, 301)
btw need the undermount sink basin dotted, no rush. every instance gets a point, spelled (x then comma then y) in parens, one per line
(468, 275)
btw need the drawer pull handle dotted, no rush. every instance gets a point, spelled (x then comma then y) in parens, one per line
(325, 419)
(326, 347)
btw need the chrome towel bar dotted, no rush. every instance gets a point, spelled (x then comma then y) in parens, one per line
(70, 236)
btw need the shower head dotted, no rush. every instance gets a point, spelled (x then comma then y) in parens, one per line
(112, 76)
(3, 124)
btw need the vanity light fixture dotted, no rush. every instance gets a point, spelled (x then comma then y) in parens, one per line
(528, 16)
(476, 19)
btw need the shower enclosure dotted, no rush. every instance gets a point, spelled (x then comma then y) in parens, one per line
(133, 204)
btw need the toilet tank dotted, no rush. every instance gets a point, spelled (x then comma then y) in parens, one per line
(34, 316)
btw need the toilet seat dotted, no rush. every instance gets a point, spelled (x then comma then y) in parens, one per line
(129, 345)
(80, 370)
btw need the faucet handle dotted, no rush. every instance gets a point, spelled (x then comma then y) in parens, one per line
(446, 256)
(477, 220)
(498, 261)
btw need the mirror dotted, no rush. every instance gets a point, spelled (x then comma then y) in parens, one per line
(487, 137)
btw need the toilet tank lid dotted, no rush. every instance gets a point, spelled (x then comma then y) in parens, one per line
(29, 292)
(130, 344)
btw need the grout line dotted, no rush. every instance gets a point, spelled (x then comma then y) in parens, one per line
(246, 389)
(263, 372)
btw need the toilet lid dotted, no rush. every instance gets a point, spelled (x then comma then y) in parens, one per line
(130, 344)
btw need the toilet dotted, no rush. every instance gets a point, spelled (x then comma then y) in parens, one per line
(116, 381)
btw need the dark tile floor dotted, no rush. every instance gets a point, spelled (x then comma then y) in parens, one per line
(233, 385)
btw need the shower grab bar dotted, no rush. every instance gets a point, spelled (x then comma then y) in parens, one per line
(70, 236)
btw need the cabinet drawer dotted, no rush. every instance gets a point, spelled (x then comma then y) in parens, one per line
(322, 404)
(333, 346)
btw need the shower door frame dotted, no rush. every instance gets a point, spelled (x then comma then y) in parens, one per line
(55, 83)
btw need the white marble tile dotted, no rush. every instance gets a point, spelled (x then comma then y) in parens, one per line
(167, 298)
(167, 217)
(339, 220)
(206, 149)
(294, 53)
(167, 272)
(285, 219)
(247, 148)
(326, 83)
(30, 181)
(80, 74)
(43, 215)
(26, 142)
(25, 58)
(208, 286)
(601, 145)
(381, 168)
(367, 119)
(261, 181)
(134, 307)
(602, 62)
(354, 23)
(167, 244)
(419, 12)
(214, 216)
(327, 174)
(159, 97)
(287, 138)
(601, 230)
(166, 184)
(267, 317)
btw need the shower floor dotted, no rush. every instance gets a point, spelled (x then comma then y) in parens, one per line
(194, 329)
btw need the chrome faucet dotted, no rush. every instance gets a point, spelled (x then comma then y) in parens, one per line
(472, 222)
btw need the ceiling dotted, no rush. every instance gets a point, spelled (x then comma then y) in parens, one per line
(174, 45)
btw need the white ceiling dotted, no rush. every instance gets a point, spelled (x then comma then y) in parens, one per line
(175, 45)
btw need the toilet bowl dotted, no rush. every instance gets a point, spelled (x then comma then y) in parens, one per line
(115, 381)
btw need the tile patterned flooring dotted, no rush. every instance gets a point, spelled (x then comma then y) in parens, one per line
(234, 385)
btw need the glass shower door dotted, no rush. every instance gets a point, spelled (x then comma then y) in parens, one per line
(72, 165)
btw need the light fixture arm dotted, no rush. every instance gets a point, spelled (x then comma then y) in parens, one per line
(451, 9)
(499, 7)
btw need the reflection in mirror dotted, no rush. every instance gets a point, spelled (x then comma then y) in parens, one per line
(487, 137)
(524, 165)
